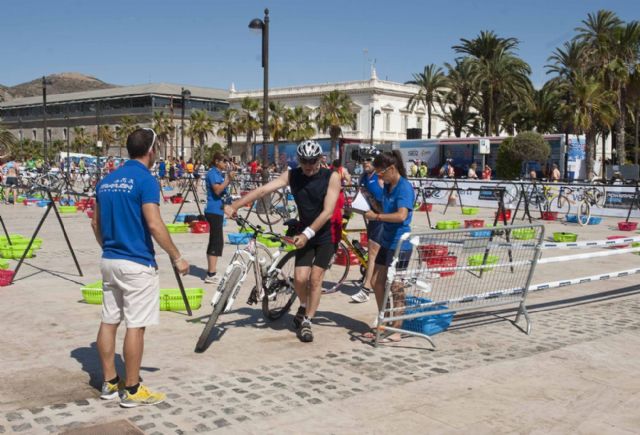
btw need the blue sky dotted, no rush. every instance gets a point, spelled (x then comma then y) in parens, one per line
(208, 43)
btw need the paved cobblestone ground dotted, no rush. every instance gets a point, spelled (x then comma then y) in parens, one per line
(253, 373)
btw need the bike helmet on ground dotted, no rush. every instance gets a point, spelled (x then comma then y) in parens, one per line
(309, 149)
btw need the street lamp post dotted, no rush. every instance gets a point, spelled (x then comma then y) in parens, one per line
(66, 121)
(186, 93)
(263, 26)
(45, 82)
(374, 113)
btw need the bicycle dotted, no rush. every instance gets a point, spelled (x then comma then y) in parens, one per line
(590, 197)
(345, 246)
(273, 280)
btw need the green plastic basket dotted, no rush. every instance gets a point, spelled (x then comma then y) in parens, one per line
(523, 233)
(15, 251)
(476, 260)
(170, 299)
(562, 237)
(67, 209)
(469, 210)
(447, 225)
(636, 245)
(13, 237)
(266, 241)
(178, 228)
(22, 243)
(4, 264)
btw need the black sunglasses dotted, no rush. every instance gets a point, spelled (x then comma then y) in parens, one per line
(312, 161)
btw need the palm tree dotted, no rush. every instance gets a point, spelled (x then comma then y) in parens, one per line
(590, 105)
(127, 126)
(610, 47)
(248, 124)
(335, 111)
(229, 126)
(278, 127)
(164, 128)
(300, 125)
(501, 76)
(432, 84)
(200, 126)
(633, 108)
(459, 99)
(7, 142)
(107, 136)
(80, 139)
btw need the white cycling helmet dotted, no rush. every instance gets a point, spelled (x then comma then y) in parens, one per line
(309, 149)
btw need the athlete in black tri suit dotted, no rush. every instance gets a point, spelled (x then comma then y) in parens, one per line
(315, 191)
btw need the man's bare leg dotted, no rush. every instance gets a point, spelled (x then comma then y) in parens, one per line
(106, 343)
(315, 290)
(133, 349)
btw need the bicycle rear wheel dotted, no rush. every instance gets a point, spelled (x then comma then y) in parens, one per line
(340, 269)
(227, 288)
(280, 293)
(267, 208)
(584, 213)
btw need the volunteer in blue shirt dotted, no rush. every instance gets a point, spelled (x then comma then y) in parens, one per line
(127, 216)
(397, 211)
(216, 189)
(371, 187)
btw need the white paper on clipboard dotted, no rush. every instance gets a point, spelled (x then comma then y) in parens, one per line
(360, 204)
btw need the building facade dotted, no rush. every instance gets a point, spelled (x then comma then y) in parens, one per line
(381, 107)
(24, 117)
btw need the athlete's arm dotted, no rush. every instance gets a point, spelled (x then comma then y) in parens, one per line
(280, 182)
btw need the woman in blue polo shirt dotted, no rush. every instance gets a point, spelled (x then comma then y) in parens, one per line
(216, 189)
(397, 211)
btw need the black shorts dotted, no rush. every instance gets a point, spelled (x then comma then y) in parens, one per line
(315, 255)
(385, 256)
(11, 181)
(374, 231)
(216, 238)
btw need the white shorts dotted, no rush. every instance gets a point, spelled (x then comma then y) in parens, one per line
(131, 292)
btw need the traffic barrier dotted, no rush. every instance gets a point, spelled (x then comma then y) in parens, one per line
(428, 285)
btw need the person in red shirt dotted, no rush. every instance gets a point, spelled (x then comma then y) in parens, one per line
(486, 172)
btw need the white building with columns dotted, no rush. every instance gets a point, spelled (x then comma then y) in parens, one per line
(387, 100)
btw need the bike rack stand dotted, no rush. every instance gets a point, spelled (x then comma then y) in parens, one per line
(185, 193)
(51, 205)
(636, 200)
(4, 228)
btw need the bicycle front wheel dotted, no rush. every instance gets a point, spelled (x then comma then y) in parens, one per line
(227, 288)
(584, 213)
(280, 293)
(267, 208)
(340, 264)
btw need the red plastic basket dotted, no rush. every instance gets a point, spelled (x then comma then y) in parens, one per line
(627, 226)
(427, 252)
(5, 277)
(341, 259)
(618, 246)
(446, 261)
(501, 216)
(177, 200)
(364, 239)
(474, 223)
(550, 215)
(199, 227)
(426, 207)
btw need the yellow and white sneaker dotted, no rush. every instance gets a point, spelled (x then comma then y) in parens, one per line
(142, 397)
(110, 391)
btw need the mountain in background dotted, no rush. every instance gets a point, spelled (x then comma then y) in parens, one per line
(62, 83)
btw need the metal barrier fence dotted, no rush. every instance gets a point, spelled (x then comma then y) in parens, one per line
(458, 270)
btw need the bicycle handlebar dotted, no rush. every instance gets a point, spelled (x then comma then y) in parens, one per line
(259, 230)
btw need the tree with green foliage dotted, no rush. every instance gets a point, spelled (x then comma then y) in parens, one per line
(335, 111)
(128, 124)
(300, 124)
(229, 127)
(248, 124)
(278, 126)
(81, 140)
(515, 150)
(461, 95)
(7, 142)
(200, 126)
(432, 83)
(164, 129)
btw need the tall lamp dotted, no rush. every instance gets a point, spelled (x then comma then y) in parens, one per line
(45, 82)
(186, 93)
(263, 26)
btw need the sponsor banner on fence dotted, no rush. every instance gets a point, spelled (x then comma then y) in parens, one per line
(485, 193)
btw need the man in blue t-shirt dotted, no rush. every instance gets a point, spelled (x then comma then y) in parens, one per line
(126, 217)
